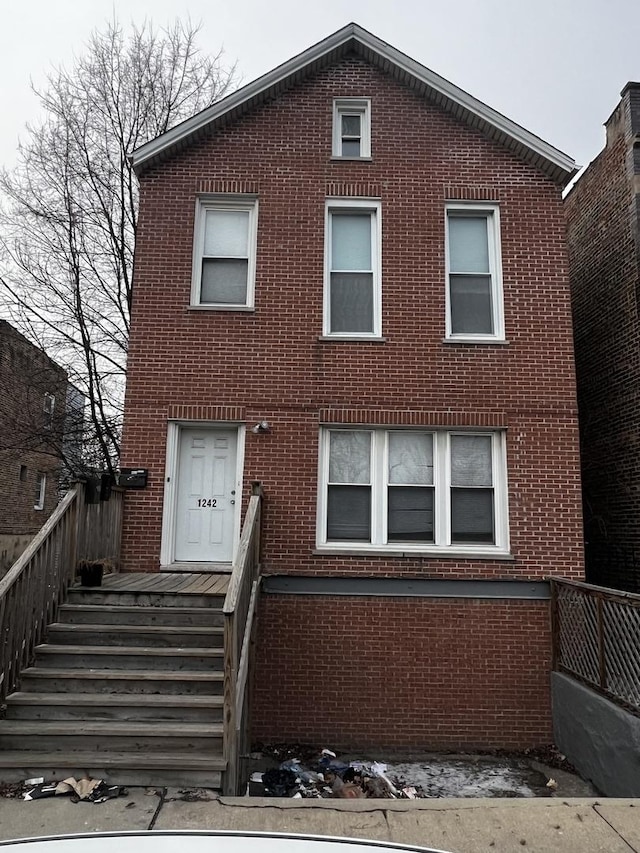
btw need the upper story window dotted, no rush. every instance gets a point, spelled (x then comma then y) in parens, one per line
(432, 491)
(224, 260)
(48, 407)
(352, 268)
(352, 127)
(41, 490)
(474, 273)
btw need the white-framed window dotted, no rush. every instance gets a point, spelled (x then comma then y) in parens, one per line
(352, 127)
(474, 273)
(353, 260)
(48, 407)
(224, 256)
(41, 489)
(413, 490)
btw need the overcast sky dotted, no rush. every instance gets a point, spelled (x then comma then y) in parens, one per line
(554, 66)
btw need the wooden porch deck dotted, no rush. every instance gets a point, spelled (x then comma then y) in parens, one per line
(170, 582)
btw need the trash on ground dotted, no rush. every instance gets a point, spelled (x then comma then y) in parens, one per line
(87, 790)
(327, 776)
(307, 772)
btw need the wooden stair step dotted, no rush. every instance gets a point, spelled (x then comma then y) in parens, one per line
(115, 698)
(159, 768)
(123, 635)
(117, 614)
(140, 682)
(121, 657)
(135, 598)
(109, 706)
(110, 735)
(62, 727)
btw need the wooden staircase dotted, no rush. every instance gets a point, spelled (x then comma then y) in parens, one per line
(127, 687)
(144, 680)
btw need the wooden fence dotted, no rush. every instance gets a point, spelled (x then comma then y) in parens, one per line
(239, 627)
(35, 585)
(596, 638)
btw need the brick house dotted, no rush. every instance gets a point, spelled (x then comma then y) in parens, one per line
(352, 286)
(603, 217)
(33, 393)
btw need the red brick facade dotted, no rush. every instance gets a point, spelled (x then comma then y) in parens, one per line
(30, 439)
(603, 217)
(273, 364)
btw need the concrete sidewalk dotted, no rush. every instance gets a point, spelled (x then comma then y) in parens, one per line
(457, 825)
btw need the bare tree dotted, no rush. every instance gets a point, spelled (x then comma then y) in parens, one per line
(68, 219)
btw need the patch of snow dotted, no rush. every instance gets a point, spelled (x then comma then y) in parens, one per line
(478, 777)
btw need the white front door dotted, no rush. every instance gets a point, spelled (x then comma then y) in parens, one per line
(206, 501)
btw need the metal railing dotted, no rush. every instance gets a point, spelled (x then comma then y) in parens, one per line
(239, 627)
(36, 584)
(596, 638)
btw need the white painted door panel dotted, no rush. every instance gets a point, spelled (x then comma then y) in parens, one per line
(206, 495)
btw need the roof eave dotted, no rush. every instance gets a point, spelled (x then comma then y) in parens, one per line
(557, 165)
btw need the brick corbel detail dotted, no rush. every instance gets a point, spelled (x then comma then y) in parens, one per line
(471, 193)
(388, 417)
(206, 413)
(228, 187)
(341, 189)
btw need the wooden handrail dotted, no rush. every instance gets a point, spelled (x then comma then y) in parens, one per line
(37, 582)
(38, 540)
(239, 626)
(240, 563)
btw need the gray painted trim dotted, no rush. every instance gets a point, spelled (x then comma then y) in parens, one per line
(404, 588)
(556, 163)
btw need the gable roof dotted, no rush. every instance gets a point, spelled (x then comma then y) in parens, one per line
(354, 39)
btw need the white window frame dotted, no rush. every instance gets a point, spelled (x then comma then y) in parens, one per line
(48, 407)
(356, 205)
(41, 485)
(491, 212)
(352, 106)
(241, 203)
(442, 544)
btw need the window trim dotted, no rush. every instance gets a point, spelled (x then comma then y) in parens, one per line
(48, 408)
(491, 211)
(352, 106)
(41, 480)
(242, 203)
(359, 205)
(442, 545)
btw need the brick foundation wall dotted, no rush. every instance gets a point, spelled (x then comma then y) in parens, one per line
(405, 673)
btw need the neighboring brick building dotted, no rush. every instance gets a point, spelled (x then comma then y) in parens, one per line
(603, 216)
(373, 262)
(33, 393)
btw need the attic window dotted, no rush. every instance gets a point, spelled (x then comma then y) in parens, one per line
(352, 128)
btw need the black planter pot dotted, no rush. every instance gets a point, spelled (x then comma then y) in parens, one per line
(91, 574)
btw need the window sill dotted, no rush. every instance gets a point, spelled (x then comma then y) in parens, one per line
(501, 342)
(245, 309)
(352, 159)
(345, 339)
(439, 554)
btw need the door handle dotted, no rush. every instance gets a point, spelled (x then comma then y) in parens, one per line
(232, 501)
